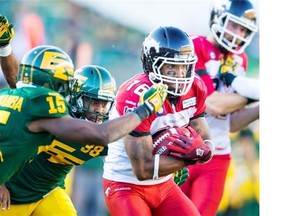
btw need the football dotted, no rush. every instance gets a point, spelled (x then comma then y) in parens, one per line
(160, 141)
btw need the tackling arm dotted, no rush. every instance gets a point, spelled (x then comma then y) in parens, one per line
(220, 103)
(82, 131)
(245, 86)
(244, 117)
(248, 87)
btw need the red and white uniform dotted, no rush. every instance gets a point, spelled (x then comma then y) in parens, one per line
(117, 166)
(206, 181)
(209, 59)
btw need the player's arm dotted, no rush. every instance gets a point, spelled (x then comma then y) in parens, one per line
(4, 197)
(8, 62)
(182, 150)
(200, 125)
(221, 103)
(9, 66)
(82, 131)
(139, 151)
(245, 86)
(243, 117)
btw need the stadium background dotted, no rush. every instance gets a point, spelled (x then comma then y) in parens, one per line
(110, 34)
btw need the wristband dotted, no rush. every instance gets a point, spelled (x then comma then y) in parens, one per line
(141, 112)
(156, 166)
(5, 50)
(228, 78)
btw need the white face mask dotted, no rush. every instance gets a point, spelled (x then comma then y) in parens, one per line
(220, 32)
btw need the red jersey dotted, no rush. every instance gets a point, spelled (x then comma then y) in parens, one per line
(117, 165)
(207, 67)
(209, 58)
(187, 106)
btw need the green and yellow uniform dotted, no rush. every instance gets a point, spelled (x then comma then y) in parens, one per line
(19, 107)
(49, 169)
(42, 180)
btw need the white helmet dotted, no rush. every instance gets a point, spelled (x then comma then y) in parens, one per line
(240, 12)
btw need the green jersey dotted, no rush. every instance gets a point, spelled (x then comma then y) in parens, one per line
(49, 169)
(19, 107)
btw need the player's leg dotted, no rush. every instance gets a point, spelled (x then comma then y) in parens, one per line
(207, 183)
(20, 210)
(174, 202)
(56, 203)
(125, 199)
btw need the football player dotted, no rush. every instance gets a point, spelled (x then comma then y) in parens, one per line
(35, 189)
(41, 181)
(136, 182)
(222, 64)
(36, 112)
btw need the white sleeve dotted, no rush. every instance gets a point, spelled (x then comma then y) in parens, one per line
(247, 87)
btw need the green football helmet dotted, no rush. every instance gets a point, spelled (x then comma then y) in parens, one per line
(47, 66)
(92, 83)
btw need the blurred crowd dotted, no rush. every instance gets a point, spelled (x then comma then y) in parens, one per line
(92, 39)
(85, 35)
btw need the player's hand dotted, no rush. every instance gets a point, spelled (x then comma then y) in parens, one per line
(181, 176)
(151, 100)
(191, 150)
(4, 198)
(227, 67)
(6, 31)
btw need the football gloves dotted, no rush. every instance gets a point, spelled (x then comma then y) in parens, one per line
(191, 150)
(151, 100)
(181, 176)
(227, 67)
(6, 31)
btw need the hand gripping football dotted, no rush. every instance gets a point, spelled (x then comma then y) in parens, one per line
(183, 143)
(161, 139)
(191, 149)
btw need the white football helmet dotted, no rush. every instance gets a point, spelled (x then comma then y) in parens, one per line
(240, 12)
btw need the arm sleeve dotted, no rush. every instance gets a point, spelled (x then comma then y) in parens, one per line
(247, 87)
